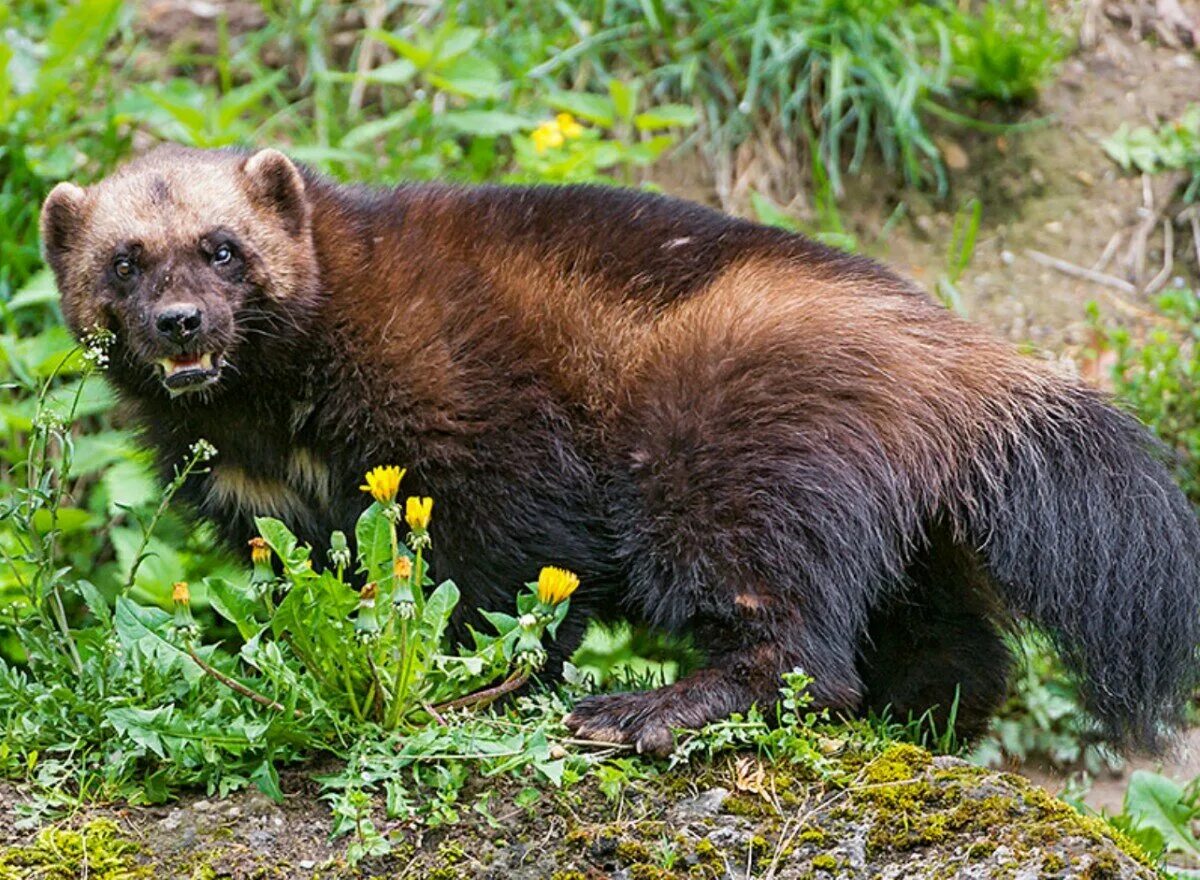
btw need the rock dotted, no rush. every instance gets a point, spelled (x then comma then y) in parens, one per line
(702, 806)
(893, 814)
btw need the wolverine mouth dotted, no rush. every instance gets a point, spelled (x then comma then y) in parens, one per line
(189, 372)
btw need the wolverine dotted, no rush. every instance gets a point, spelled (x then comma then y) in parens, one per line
(724, 429)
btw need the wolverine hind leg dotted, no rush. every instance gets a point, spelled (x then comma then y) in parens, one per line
(934, 648)
(762, 532)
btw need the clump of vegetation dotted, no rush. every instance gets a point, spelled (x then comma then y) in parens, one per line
(108, 687)
(1043, 717)
(840, 77)
(97, 850)
(1158, 377)
(1171, 147)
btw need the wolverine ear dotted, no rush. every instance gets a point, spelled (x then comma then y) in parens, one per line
(276, 184)
(62, 216)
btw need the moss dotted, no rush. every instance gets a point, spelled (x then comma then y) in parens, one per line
(650, 872)
(707, 851)
(750, 807)
(1053, 864)
(97, 849)
(826, 862)
(813, 835)
(896, 763)
(451, 853)
(1103, 866)
(631, 851)
(981, 849)
(568, 875)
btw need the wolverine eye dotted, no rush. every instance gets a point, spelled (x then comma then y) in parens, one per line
(123, 267)
(222, 255)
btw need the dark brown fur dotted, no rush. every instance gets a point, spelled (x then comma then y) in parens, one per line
(721, 427)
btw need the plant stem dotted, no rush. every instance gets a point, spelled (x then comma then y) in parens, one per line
(487, 695)
(176, 484)
(349, 686)
(235, 685)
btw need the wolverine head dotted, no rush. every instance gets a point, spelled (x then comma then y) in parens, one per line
(193, 259)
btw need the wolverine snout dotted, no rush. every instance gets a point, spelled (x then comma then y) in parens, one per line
(178, 323)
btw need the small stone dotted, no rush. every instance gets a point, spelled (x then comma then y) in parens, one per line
(202, 806)
(1007, 257)
(307, 864)
(955, 156)
(703, 806)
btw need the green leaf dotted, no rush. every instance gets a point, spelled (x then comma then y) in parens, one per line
(65, 519)
(95, 601)
(236, 102)
(468, 76)
(161, 567)
(235, 604)
(596, 109)
(266, 778)
(483, 123)
(419, 56)
(665, 116)
(39, 290)
(373, 534)
(370, 131)
(279, 538)
(454, 41)
(394, 73)
(128, 484)
(141, 726)
(141, 629)
(624, 98)
(1153, 801)
(768, 212)
(438, 608)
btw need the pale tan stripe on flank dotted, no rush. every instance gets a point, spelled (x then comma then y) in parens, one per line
(230, 486)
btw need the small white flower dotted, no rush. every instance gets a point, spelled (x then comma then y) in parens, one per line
(96, 343)
(203, 450)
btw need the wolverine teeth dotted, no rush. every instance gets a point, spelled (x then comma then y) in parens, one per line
(171, 366)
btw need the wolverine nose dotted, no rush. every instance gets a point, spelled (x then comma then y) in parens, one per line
(178, 323)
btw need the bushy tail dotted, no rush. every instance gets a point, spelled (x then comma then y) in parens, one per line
(1087, 534)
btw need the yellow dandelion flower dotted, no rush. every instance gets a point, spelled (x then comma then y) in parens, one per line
(180, 594)
(417, 512)
(383, 483)
(369, 592)
(547, 136)
(402, 568)
(568, 126)
(260, 551)
(556, 584)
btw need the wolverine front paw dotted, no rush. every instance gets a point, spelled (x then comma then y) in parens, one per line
(637, 719)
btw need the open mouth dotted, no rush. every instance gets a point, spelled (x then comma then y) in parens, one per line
(189, 372)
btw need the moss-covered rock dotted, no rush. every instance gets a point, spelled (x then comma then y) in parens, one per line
(899, 813)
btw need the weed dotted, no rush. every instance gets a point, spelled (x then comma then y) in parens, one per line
(1172, 147)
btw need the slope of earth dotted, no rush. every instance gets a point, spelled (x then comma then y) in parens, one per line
(900, 813)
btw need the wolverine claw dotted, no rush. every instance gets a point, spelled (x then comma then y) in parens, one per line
(623, 719)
